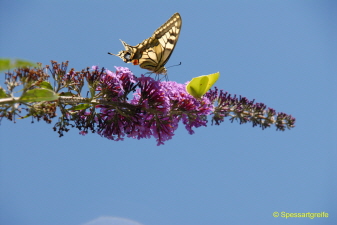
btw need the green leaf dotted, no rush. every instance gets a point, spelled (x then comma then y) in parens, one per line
(7, 64)
(24, 63)
(46, 85)
(80, 107)
(198, 86)
(39, 95)
(3, 93)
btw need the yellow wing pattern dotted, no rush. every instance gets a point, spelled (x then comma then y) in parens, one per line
(153, 53)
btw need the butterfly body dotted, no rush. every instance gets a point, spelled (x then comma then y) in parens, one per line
(153, 53)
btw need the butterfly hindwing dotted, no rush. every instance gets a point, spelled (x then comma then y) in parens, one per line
(153, 53)
(151, 60)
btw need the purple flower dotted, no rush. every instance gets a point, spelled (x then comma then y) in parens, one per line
(159, 108)
(144, 107)
(116, 85)
(121, 105)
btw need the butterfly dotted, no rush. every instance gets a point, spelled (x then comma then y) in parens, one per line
(198, 86)
(153, 53)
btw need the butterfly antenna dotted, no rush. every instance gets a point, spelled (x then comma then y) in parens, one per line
(110, 53)
(174, 65)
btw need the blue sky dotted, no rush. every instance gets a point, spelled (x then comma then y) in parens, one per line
(281, 53)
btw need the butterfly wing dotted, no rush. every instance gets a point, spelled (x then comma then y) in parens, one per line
(152, 59)
(198, 86)
(168, 35)
(153, 53)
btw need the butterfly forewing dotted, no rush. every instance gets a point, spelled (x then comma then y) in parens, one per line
(153, 53)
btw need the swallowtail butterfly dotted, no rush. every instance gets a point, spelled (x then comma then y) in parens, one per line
(153, 53)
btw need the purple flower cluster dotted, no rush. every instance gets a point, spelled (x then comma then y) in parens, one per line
(157, 108)
(244, 110)
(121, 105)
(115, 86)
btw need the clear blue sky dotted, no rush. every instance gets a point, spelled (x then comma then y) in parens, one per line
(281, 53)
